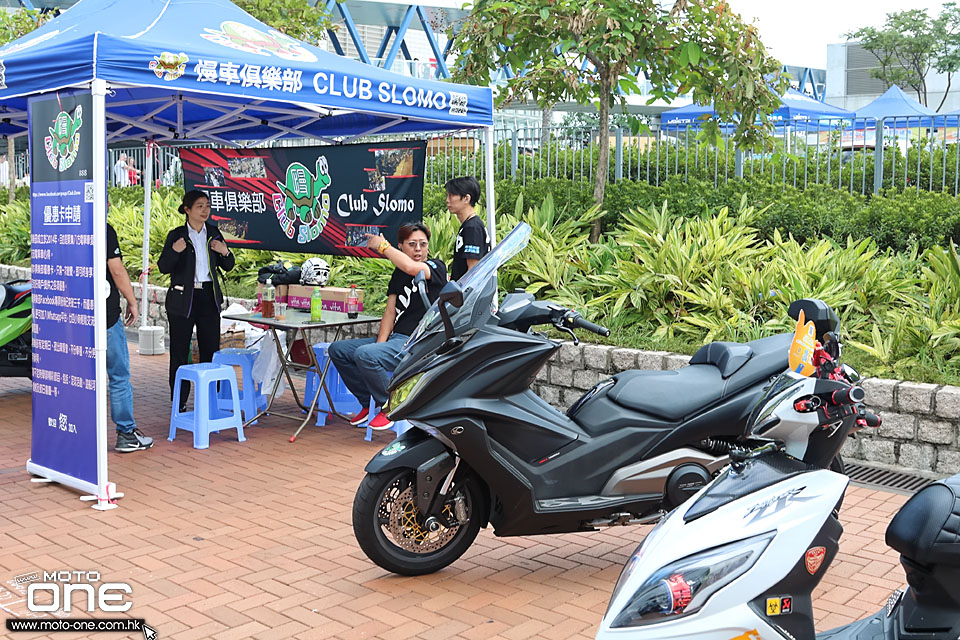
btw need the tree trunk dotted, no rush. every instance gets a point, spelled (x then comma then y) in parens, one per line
(546, 123)
(603, 163)
(11, 171)
(946, 92)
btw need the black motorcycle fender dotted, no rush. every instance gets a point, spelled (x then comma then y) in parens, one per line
(409, 451)
(426, 455)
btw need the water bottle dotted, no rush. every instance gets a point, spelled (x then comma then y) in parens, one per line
(353, 303)
(269, 296)
(316, 305)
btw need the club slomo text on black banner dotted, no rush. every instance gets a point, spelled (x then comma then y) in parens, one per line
(310, 199)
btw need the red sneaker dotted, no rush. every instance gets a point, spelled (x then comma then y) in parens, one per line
(381, 422)
(360, 418)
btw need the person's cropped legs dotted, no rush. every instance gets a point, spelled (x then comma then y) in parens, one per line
(118, 371)
(373, 363)
(343, 356)
(181, 329)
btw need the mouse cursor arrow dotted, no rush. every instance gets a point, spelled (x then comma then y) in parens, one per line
(149, 633)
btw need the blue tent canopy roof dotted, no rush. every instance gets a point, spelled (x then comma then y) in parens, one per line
(894, 102)
(205, 69)
(899, 109)
(794, 106)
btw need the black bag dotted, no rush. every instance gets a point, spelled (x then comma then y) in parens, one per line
(281, 272)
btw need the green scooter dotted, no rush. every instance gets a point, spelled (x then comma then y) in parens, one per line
(15, 329)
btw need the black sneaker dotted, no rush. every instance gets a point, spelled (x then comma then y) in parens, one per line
(133, 441)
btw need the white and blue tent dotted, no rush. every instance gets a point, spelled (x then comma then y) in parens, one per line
(192, 69)
(204, 70)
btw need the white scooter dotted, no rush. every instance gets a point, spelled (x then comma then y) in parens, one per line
(740, 560)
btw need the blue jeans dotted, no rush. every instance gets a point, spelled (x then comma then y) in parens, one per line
(363, 364)
(118, 370)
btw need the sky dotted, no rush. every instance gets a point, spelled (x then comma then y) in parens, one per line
(798, 34)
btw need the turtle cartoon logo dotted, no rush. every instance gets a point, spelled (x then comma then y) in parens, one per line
(169, 66)
(243, 37)
(303, 205)
(63, 143)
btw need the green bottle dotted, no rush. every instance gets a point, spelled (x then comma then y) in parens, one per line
(316, 305)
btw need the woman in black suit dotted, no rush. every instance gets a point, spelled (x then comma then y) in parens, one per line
(192, 254)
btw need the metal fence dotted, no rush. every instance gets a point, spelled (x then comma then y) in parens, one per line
(855, 155)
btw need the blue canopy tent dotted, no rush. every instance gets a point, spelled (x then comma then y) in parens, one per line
(794, 106)
(206, 70)
(898, 109)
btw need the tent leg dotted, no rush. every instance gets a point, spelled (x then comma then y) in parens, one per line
(147, 192)
(98, 88)
(489, 178)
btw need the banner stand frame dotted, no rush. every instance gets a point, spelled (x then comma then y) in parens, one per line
(104, 493)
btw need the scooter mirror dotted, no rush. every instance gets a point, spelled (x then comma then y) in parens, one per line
(452, 294)
(420, 282)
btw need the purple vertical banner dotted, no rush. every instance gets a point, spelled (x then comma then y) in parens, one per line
(65, 421)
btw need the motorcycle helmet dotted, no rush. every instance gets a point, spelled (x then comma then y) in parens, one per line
(315, 272)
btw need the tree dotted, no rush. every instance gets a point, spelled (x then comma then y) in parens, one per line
(592, 51)
(911, 44)
(904, 46)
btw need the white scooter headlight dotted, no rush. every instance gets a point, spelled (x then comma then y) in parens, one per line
(683, 587)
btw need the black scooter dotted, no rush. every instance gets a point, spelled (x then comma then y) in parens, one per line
(488, 450)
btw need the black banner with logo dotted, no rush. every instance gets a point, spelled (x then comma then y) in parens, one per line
(310, 199)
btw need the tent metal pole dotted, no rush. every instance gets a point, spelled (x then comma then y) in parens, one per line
(98, 89)
(488, 181)
(147, 192)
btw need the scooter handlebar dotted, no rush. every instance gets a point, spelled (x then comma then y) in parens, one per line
(871, 419)
(850, 395)
(578, 321)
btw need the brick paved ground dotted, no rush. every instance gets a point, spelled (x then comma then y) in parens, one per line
(254, 540)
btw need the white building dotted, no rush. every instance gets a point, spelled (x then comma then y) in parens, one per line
(851, 86)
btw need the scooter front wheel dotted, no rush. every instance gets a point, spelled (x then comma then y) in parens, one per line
(395, 535)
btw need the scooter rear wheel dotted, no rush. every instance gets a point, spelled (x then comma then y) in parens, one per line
(392, 532)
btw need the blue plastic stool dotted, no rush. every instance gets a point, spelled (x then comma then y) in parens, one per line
(344, 400)
(399, 426)
(206, 416)
(251, 398)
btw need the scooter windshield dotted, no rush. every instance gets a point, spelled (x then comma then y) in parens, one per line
(473, 282)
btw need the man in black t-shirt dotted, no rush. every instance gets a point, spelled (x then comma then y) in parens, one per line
(410, 307)
(473, 242)
(363, 363)
(129, 437)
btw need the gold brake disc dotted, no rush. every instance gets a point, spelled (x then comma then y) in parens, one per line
(407, 531)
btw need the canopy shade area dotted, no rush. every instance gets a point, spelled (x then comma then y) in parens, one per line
(898, 109)
(794, 106)
(207, 70)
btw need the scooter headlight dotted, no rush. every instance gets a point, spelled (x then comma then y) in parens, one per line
(404, 392)
(683, 587)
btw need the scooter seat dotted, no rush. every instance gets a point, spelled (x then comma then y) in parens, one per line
(10, 294)
(927, 529)
(722, 372)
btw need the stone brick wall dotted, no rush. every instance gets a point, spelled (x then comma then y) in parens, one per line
(920, 421)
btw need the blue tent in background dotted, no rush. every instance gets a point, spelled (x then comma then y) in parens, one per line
(205, 69)
(901, 111)
(794, 106)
